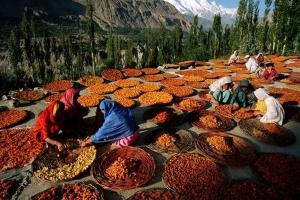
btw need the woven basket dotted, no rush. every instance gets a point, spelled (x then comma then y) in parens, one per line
(9, 119)
(141, 177)
(175, 119)
(255, 128)
(184, 141)
(227, 124)
(279, 170)
(202, 105)
(36, 95)
(192, 176)
(154, 194)
(97, 193)
(242, 153)
(112, 74)
(58, 86)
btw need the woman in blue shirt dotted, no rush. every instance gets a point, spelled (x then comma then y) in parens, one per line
(119, 126)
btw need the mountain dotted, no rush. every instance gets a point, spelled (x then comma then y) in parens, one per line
(108, 13)
(205, 10)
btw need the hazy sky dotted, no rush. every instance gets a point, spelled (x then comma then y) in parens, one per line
(235, 3)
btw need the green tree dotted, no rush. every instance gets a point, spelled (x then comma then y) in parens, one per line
(217, 29)
(91, 31)
(129, 54)
(14, 51)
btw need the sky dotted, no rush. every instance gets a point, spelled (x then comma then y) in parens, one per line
(235, 3)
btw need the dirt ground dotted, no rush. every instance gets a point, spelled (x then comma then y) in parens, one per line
(36, 186)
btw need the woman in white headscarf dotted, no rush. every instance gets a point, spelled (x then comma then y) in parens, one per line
(220, 91)
(234, 58)
(274, 113)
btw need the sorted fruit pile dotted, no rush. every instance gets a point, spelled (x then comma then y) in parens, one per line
(54, 97)
(112, 74)
(128, 93)
(75, 192)
(12, 117)
(58, 86)
(90, 100)
(7, 189)
(137, 168)
(249, 190)
(85, 158)
(285, 95)
(165, 140)
(169, 140)
(193, 78)
(154, 194)
(290, 80)
(191, 104)
(159, 115)
(17, 148)
(230, 112)
(90, 80)
(148, 87)
(126, 83)
(179, 91)
(198, 85)
(155, 98)
(196, 72)
(169, 75)
(127, 103)
(153, 78)
(29, 95)
(215, 75)
(208, 120)
(173, 82)
(267, 133)
(222, 144)
(193, 176)
(286, 173)
(102, 88)
(121, 168)
(132, 72)
(150, 70)
(225, 149)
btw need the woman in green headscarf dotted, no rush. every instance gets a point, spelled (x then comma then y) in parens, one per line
(243, 95)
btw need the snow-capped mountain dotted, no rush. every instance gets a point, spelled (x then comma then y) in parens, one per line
(204, 9)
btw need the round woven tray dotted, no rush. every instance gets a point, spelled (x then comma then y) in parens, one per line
(192, 176)
(53, 97)
(112, 74)
(201, 105)
(29, 95)
(11, 118)
(184, 141)
(280, 170)
(71, 191)
(18, 148)
(240, 153)
(229, 112)
(58, 86)
(154, 194)
(175, 117)
(140, 177)
(255, 128)
(226, 123)
(249, 190)
(51, 160)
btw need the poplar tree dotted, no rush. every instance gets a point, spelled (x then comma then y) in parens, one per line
(217, 29)
(91, 31)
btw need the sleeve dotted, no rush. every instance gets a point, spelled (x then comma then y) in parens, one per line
(97, 137)
(271, 114)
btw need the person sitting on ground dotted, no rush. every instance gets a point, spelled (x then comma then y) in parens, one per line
(119, 126)
(269, 72)
(234, 58)
(49, 123)
(274, 112)
(220, 91)
(259, 59)
(73, 111)
(251, 64)
(243, 95)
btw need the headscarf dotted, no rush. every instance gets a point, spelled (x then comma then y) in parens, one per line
(46, 122)
(119, 123)
(217, 85)
(68, 98)
(275, 112)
